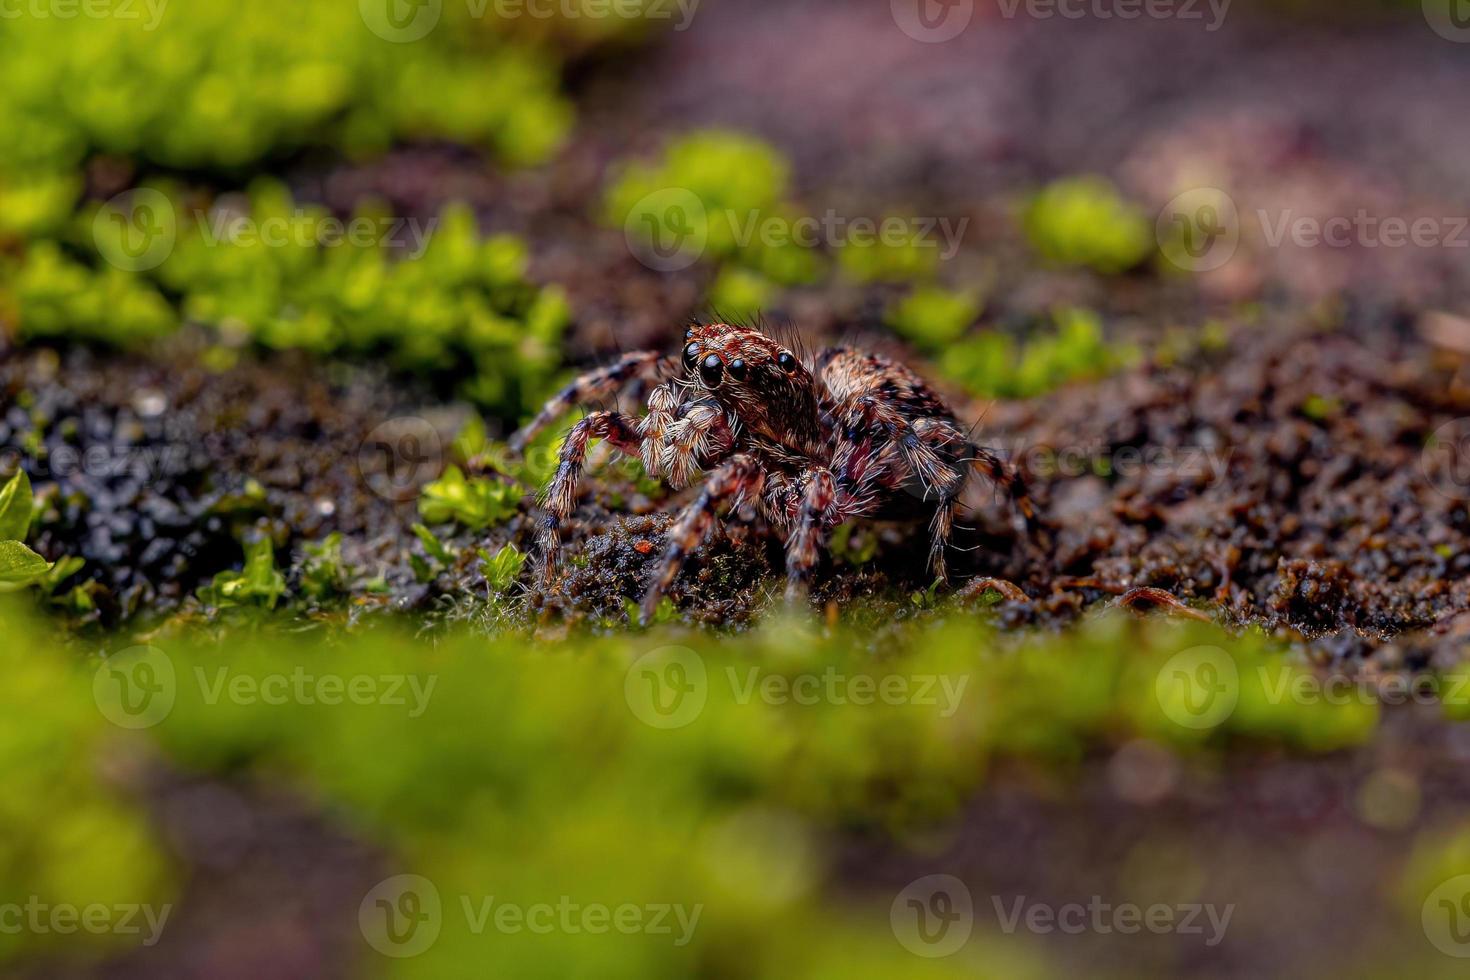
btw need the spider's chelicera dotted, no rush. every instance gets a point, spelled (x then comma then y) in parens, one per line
(807, 445)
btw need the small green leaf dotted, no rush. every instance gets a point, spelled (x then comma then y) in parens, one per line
(15, 508)
(20, 566)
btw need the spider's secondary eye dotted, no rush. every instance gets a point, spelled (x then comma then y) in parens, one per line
(787, 362)
(691, 356)
(737, 369)
(711, 371)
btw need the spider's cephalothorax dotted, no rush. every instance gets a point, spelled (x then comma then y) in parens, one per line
(807, 445)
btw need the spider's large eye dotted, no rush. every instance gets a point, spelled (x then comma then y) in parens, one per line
(711, 371)
(737, 369)
(691, 356)
(787, 362)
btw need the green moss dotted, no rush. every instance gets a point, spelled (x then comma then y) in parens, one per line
(73, 838)
(212, 85)
(994, 364)
(932, 317)
(435, 298)
(1083, 221)
(904, 258)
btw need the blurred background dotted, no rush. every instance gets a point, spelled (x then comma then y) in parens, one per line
(298, 266)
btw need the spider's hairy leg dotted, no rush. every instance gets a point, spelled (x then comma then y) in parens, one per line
(867, 413)
(594, 386)
(815, 515)
(621, 432)
(1008, 479)
(738, 478)
(943, 436)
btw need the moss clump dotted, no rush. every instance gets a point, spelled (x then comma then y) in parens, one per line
(994, 364)
(212, 85)
(932, 317)
(435, 298)
(1084, 221)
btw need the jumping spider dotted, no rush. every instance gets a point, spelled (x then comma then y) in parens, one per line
(806, 445)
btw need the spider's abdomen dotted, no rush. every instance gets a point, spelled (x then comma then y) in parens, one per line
(846, 375)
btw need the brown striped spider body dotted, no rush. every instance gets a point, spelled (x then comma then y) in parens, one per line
(807, 445)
